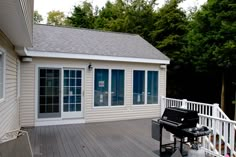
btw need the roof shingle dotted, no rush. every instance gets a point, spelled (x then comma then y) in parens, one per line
(85, 41)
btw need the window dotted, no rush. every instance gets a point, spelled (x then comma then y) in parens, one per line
(145, 87)
(138, 87)
(117, 87)
(101, 87)
(152, 90)
(1, 75)
(109, 87)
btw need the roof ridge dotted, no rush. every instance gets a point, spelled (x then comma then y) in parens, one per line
(88, 29)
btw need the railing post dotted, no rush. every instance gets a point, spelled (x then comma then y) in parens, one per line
(214, 110)
(163, 104)
(184, 104)
(215, 114)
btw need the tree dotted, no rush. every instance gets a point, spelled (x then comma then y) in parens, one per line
(140, 18)
(212, 39)
(137, 16)
(37, 17)
(56, 18)
(170, 31)
(82, 16)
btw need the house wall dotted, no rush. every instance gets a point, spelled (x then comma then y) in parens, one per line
(91, 113)
(9, 106)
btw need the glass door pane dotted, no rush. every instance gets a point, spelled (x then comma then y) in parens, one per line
(49, 93)
(72, 90)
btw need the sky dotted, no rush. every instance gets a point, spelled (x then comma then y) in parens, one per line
(66, 6)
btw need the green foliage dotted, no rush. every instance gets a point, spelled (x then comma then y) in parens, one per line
(56, 18)
(82, 16)
(170, 31)
(212, 38)
(37, 17)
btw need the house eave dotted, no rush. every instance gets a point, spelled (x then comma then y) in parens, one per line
(94, 57)
(17, 21)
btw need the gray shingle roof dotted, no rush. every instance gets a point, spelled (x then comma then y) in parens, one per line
(84, 41)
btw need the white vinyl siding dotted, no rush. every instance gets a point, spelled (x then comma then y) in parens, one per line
(91, 113)
(9, 107)
(18, 79)
(2, 74)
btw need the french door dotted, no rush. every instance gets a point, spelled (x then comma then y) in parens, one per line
(72, 95)
(49, 93)
(60, 93)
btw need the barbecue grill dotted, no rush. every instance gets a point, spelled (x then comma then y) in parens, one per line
(180, 122)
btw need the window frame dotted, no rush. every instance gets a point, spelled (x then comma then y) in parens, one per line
(146, 86)
(109, 87)
(4, 74)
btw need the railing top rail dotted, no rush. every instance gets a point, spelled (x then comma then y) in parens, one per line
(173, 99)
(194, 102)
(216, 118)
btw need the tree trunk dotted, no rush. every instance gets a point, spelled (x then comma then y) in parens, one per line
(223, 92)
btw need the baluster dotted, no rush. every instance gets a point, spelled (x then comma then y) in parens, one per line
(220, 137)
(232, 137)
(214, 133)
(225, 137)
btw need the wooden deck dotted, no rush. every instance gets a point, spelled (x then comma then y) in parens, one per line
(110, 139)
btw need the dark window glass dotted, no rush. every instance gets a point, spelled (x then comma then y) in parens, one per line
(138, 87)
(117, 87)
(72, 73)
(66, 73)
(152, 91)
(66, 108)
(78, 74)
(101, 87)
(78, 107)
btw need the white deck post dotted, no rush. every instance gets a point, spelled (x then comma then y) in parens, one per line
(214, 110)
(215, 114)
(184, 104)
(163, 104)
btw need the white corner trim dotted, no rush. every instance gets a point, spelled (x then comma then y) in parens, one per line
(94, 57)
(21, 51)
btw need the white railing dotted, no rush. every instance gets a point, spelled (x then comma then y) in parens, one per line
(222, 141)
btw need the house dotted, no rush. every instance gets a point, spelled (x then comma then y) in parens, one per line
(58, 75)
(81, 75)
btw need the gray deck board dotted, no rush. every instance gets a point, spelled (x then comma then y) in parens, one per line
(130, 138)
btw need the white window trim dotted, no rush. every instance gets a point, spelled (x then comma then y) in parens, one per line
(109, 88)
(146, 87)
(2, 51)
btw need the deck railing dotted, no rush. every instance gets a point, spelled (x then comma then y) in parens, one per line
(222, 141)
